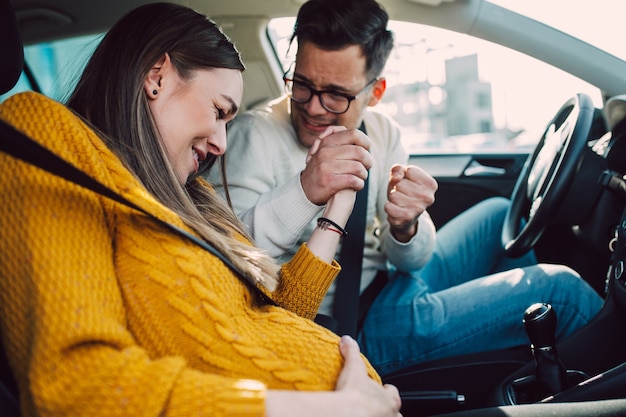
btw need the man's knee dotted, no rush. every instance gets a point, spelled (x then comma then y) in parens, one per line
(495, 204)
(563, 272)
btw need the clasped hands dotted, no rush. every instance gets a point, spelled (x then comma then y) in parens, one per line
(337, 165)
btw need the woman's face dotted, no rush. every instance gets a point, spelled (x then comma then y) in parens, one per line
(191, 115)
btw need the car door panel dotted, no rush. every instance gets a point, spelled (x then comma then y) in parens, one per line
(467, 179)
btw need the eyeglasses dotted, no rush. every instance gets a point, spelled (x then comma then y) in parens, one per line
(332, 101)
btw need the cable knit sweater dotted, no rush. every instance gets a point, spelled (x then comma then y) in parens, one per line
(105, 312)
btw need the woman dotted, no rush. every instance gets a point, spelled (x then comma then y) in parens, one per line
(105, 310)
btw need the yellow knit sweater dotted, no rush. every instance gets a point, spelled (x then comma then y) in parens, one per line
(104, 312)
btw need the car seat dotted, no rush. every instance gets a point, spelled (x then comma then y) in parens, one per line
(11, 65)
(11, 48)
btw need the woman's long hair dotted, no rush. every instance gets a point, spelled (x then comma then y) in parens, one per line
(110, 96)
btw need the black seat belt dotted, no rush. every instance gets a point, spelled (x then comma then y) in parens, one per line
(348, 283)
(19, 145)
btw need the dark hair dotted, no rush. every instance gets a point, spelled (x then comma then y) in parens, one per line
(110, 96)
(110, 92)
(337, 24)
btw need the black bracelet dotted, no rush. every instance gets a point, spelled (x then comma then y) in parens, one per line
(326, 224)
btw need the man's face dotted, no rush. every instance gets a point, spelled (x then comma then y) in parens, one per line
(342, 71)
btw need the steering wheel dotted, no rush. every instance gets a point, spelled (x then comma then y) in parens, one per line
(547, 175)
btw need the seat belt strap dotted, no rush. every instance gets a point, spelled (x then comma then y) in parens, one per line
(348, 283)
(20, 146)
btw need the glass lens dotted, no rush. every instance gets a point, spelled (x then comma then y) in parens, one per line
(299, 91)
(335, 102)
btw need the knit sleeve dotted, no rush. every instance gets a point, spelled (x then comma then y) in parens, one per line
(305, 279)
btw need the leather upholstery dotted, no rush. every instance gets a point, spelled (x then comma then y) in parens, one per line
(11, 47)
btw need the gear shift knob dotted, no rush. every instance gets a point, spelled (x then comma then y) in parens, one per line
(540, 325)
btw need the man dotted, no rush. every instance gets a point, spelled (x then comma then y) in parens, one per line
(283, 165)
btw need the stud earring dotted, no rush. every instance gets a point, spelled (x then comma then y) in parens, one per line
(155, 92)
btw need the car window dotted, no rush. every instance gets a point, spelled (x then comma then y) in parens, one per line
(590, 21)
(452, 93)
(55, 66)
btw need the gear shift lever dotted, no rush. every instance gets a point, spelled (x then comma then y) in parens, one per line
(540, 325)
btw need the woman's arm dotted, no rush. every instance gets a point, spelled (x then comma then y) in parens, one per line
(324, 242)
(303, 282)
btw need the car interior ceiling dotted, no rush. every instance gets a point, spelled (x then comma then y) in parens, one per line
(497, 383)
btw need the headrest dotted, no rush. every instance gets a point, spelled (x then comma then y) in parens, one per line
(615, 110)
(11, 48)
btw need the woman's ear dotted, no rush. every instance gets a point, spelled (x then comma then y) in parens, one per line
(154, 80)
(378, 90)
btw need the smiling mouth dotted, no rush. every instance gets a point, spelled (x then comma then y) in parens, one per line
(312, 125)
(198, 155)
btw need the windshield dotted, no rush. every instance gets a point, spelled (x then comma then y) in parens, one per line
(598, 23)
(451, 92)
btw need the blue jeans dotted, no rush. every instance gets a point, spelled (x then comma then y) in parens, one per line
(469, 297)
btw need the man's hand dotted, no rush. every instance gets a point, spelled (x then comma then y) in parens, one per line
(409, 193)
(338, 160)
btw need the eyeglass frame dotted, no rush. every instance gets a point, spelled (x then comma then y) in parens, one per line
(318, 93)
